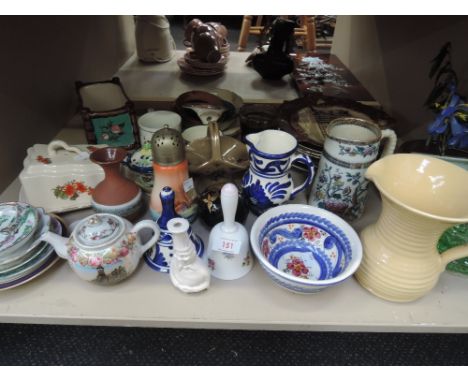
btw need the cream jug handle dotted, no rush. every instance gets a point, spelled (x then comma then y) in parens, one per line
(152, 226)
(54, 146)
(454, 253)
(391, 141)
(304, 159)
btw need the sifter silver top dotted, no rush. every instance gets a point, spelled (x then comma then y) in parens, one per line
(168, 147)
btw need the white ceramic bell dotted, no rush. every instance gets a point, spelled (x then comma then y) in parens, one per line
(228, 252)
(188, 272)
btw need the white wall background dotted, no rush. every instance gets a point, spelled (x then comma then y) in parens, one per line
(391, 56)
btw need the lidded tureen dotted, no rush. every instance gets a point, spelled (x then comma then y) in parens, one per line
(103, 248)
(59, 177)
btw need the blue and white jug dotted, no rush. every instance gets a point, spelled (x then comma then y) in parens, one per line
(268, 182)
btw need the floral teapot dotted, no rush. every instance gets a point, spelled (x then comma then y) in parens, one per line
(103, 248)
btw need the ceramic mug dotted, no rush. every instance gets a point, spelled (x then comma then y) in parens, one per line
(196, 132)
(152, 121)
(351, 146)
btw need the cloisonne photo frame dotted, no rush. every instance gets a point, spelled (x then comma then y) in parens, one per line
(108, 114)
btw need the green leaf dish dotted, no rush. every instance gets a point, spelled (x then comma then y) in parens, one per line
(453, 237)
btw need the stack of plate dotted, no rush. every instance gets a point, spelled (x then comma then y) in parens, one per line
(23, 256)
(189, 64)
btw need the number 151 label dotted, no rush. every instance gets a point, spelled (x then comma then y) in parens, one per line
(227, 245)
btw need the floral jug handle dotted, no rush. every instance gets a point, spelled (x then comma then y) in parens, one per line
(305, 160)
(391, 141)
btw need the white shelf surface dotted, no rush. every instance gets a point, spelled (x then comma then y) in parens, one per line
(165, 81)
(148, 299)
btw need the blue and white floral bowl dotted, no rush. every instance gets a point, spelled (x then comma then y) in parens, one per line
(305, 249)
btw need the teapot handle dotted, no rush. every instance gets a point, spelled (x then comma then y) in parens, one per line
(304, 159)
(152, 226)
(391, 141)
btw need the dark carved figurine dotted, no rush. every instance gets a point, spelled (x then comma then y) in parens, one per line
(275, 62)
(206, 39)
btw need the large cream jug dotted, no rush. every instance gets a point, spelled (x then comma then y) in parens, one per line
(421, 198)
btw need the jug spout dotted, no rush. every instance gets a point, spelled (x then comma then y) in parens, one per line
(271, 143)
(374, 171)
(58, 242)
(253, 139)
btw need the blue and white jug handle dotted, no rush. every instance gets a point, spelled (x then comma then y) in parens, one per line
(305, 160)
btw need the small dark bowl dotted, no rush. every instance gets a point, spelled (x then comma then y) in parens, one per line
(210, 209)
(256, 117)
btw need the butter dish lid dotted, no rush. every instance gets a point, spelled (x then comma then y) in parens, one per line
(58, 157)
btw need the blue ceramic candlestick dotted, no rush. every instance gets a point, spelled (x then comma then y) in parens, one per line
(160, 258)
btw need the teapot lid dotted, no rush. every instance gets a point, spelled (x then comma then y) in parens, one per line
(99, 229)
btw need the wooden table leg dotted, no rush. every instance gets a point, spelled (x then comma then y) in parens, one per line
(244, 33)
(311, 42)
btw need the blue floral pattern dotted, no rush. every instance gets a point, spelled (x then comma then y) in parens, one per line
(319, 244)
(306, 247)
(340, 190)
(362, 151)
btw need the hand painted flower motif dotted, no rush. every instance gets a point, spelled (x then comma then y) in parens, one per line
(73, 254)
(246, 261)
(109, 258)
(211, 264)
(80, 187)
(91, 149)
(95, 261)
(265, 248)
(311, 233)
(335, 206)
(297, 267)
(83, 260)
(112, 131)
(131, 239)
(71, 190)
(210, 201)
(116, 129)
(105, 257)
(43, 160)
(363, 151)
(127, 245)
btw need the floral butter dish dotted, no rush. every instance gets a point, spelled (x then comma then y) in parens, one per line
(59, 177)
